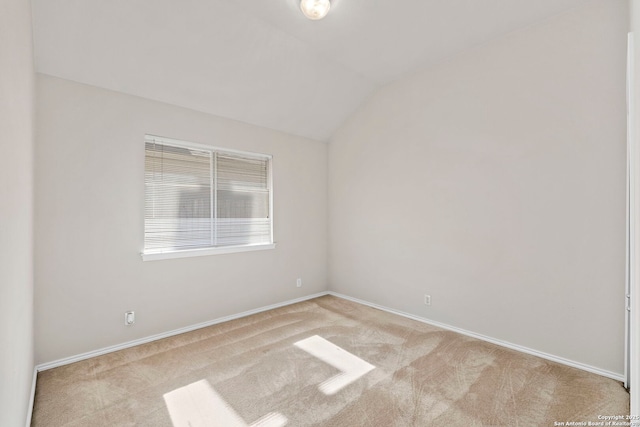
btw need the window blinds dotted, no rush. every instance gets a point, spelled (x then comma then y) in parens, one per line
(197, 197)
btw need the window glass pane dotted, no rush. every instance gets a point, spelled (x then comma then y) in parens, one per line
(243, 200)
(177, 197)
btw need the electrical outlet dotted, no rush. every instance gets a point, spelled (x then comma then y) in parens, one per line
(299, 282)
(427, 299)
(129, 318)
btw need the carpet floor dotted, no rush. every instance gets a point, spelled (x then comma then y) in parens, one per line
(322, 362)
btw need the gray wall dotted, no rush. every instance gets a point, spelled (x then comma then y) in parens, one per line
(495, 182)
(89, 223)
(16, 210)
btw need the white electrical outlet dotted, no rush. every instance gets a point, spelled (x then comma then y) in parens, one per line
(299, 282)
(129, 318)
(427, 300)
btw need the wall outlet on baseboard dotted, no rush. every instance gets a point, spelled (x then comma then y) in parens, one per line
(427, 299)
(129, 318)
(299, 282)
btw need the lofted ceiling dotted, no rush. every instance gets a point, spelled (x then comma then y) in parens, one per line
(261, 61)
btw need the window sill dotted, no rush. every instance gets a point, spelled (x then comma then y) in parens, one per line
(154, 256)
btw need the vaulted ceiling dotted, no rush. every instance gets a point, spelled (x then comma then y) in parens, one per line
(261, 61)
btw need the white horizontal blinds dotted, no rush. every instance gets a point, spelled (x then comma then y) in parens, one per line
(200, 197)
(243, 197)
(177, 198)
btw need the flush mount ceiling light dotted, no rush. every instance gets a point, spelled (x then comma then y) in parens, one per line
(315, 9)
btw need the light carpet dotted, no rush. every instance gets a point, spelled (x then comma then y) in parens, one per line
(323, 362)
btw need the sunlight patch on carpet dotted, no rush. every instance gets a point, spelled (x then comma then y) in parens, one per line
(351, 366)
(199, 405)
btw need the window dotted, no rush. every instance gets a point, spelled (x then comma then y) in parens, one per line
(201, 200)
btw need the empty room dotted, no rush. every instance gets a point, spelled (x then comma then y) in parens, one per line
(224, 213)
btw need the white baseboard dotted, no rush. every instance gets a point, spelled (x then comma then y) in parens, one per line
(33, 396)
(516, 347)
(100, 352)
(111, 349)
(551, 357)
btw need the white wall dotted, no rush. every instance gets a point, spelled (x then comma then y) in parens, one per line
(635, 124)
(89, 223)
(495, 182)
(16, 210)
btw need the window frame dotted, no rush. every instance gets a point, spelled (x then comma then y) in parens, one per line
(211, 250)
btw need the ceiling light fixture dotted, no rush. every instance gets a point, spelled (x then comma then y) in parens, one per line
(315, 9)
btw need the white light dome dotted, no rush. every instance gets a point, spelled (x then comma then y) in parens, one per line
(315, 9)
